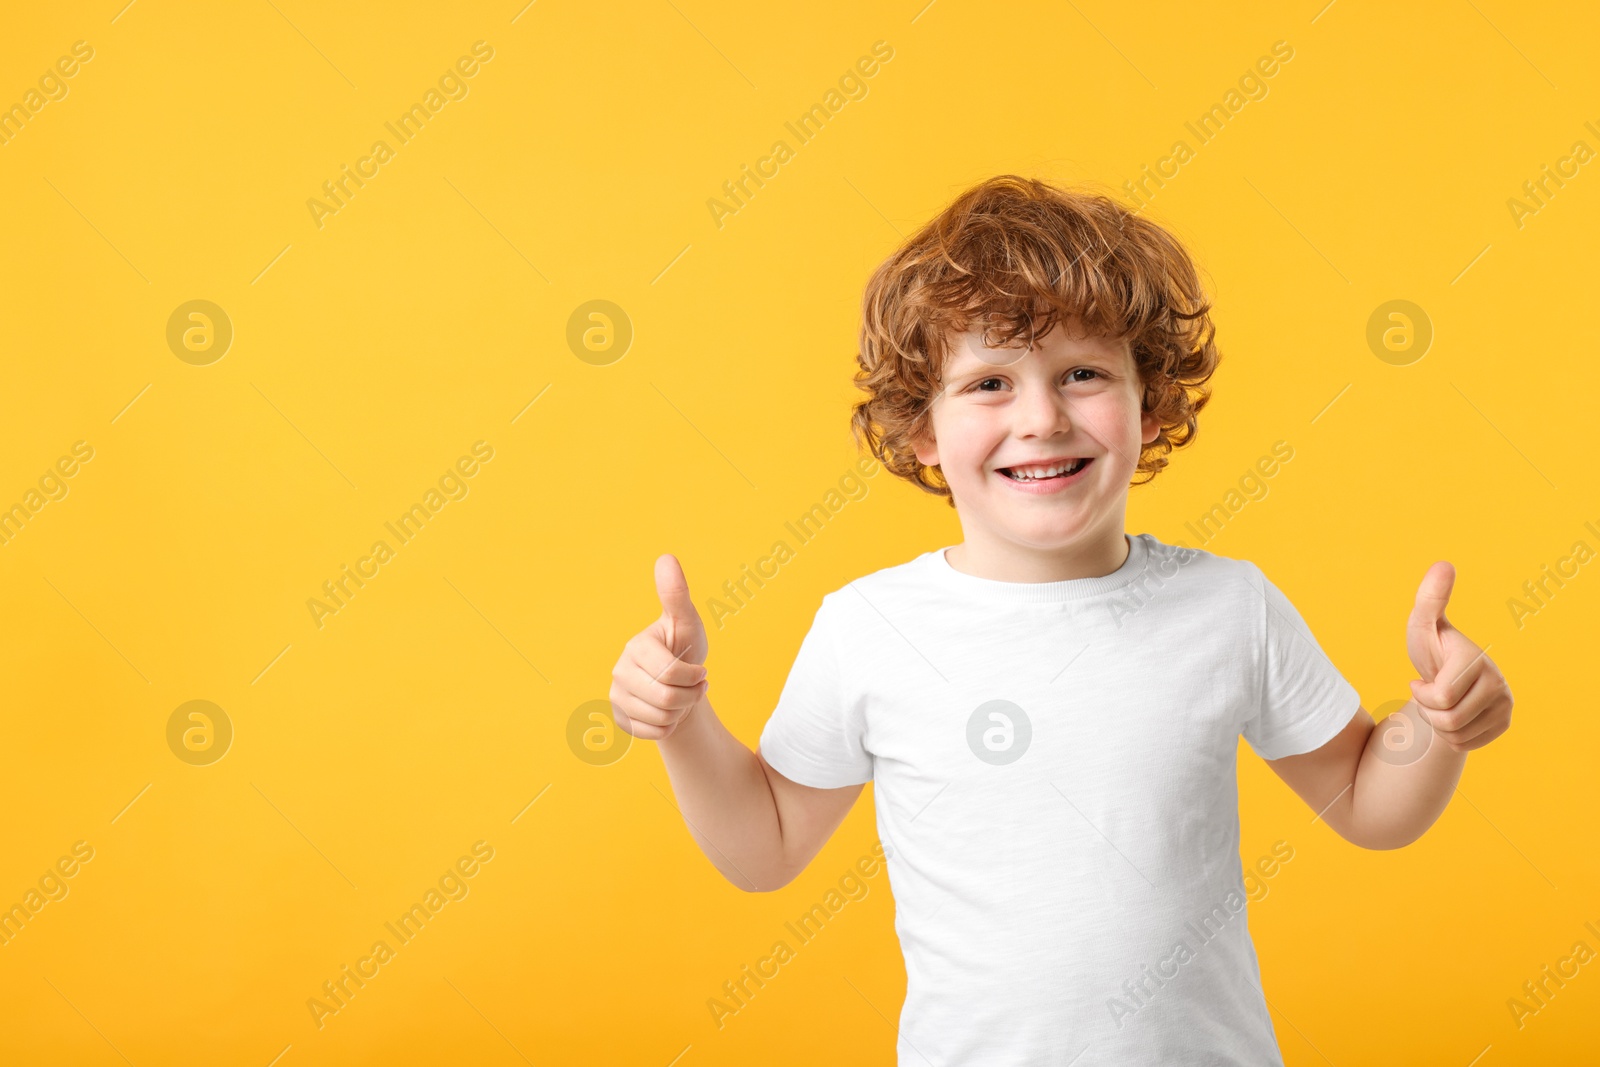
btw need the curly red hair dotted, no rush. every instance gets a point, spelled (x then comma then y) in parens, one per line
(1020, 255)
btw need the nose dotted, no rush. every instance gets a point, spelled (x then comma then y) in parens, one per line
(1041, 411)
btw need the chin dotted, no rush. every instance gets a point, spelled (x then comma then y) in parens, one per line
(1048, 535)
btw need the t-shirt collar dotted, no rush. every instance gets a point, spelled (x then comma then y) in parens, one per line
(992, 590)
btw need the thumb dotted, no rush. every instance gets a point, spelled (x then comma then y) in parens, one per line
(1427, 619)
(677, 608)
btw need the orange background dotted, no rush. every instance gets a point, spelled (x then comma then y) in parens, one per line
(431, 311)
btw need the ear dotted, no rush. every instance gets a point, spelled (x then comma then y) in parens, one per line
(926, 449)
(1150, 427)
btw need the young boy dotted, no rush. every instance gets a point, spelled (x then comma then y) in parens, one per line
(1051, 708)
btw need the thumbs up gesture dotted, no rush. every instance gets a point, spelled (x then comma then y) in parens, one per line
(1462, 693)
(661, 676)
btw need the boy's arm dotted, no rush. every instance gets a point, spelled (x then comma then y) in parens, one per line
(1382, 786)
(1378, 787)
(757, 827)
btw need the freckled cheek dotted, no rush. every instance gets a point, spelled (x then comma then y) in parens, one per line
(974, 439)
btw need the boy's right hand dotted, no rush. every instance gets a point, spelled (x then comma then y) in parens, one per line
(661, 676)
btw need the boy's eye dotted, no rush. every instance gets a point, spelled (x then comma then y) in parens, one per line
(979, 386)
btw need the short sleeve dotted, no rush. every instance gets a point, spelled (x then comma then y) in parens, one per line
(1304, 700)
(816, 734)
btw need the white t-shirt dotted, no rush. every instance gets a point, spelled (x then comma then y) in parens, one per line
(1057, 795)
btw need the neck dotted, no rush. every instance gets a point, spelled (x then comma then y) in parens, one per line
(1093, 555)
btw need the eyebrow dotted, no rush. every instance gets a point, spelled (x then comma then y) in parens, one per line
(967, 368)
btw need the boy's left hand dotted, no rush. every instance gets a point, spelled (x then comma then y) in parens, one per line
(1462, 694)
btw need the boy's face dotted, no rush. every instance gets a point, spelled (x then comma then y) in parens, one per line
(1067, 397)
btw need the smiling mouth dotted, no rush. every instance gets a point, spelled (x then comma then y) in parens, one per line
(1073, 468)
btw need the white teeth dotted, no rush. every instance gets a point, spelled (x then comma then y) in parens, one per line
(1028, 474)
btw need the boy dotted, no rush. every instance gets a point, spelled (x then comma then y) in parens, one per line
(1051, 708)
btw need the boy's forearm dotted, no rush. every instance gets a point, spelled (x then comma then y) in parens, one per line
(1393, 802)
(724, 797)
